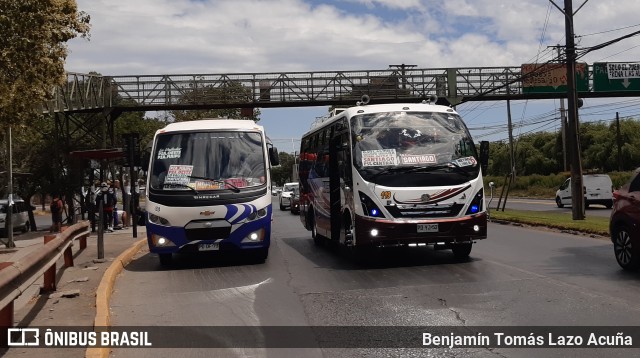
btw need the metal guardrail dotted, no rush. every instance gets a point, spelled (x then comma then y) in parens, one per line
(16, 277)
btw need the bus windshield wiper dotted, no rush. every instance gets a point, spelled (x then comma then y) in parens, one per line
(418, 169)
(450, 165)
(233, 187)
(181, 185)
(390, 170)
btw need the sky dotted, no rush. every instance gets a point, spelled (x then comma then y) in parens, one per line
(157, 37)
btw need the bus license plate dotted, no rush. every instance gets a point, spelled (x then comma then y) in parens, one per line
(208, 247)
(427, 227)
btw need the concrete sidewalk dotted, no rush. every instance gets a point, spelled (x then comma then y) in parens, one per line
(74, 302)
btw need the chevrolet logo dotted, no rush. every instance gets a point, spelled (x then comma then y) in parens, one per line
(207, 213)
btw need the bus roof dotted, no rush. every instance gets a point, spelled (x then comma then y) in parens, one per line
(211, 124)
(377, 108)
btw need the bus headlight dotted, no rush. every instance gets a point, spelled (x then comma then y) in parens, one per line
(257, 215)
(158, 220)
(161, 241)
(369, 206)
(476, 204)
(255, 236)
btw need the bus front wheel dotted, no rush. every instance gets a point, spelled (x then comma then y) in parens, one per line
(165, 259)
(461, 251)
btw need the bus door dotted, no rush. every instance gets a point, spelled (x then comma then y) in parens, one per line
(338, 154)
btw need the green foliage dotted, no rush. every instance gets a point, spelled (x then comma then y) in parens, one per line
(33, 51)
(592, 225)
(32, 148)
(541, 153)
(231, 91)
(136, 122)
(282, 173)
(544, 186)
(535, 185)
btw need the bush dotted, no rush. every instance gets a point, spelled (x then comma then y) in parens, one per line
(543, 186)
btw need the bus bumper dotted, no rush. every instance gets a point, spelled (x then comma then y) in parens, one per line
(249, 236)
(385, 232)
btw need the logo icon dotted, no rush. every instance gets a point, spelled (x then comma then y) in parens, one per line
(21, 337)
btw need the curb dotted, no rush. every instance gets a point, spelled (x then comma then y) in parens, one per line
(103, 295)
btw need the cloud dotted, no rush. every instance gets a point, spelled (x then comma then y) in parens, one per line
(391, 4)
(153, 37)
(222, 36)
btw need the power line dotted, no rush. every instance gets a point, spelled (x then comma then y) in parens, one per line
(606, 31)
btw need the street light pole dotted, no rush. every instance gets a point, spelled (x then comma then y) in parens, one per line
(9, 216)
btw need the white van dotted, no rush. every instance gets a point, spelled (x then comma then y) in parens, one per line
(598, 189)
(20, 218)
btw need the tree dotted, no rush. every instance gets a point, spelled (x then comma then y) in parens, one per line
(33, 47)
(32, 54)
(227, 92)
(282, 173)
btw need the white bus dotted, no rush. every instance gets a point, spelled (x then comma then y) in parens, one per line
(209, 188)
(405, 174)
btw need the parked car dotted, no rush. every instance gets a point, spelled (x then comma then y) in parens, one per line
(20, 217)
(625, 223)
(295, 201)
(286, 194)
(597, 189)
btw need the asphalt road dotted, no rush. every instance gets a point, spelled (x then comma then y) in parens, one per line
(549, 206)
(518, 277)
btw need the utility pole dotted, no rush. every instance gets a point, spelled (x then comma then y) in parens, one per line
(619, 141)
(573, 126)
(511, 148)
(563, 122)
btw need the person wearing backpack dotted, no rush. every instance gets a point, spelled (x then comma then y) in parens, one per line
(56, 213)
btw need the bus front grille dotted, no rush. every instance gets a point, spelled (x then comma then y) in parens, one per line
(213, 233)
(424, 211)
(215, 229)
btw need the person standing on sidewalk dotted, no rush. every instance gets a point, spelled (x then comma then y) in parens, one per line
(56, 213)
(113, 190)
(108, 199)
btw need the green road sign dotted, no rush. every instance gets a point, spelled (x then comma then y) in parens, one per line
(552, 77)
(616, 76)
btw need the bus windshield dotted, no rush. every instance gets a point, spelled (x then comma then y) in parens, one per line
(208, 160)
(413, 140)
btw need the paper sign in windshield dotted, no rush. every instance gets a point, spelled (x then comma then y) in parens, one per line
(237, 182)
(465, 162)
(178, 174)
(169, 153)
(380, 157)
(418, 159)
(208, 185)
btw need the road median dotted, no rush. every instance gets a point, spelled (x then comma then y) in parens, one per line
(591, 225)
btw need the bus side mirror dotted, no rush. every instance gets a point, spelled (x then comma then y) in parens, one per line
(273, 156)
(484, 156)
